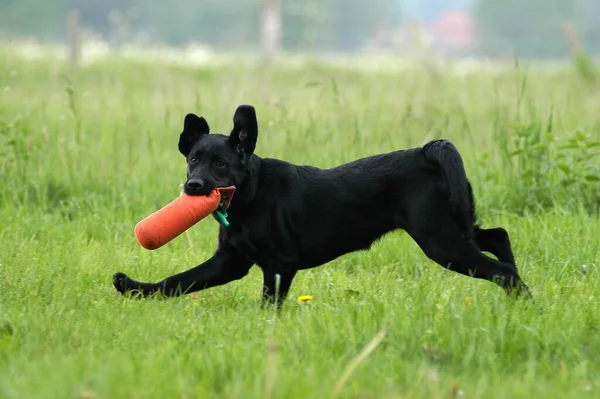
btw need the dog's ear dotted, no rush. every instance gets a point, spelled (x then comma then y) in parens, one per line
(245, 131)
(194, 127)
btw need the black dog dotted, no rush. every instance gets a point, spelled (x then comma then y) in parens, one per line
(286, 218)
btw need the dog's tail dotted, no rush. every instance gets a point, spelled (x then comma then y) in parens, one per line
(444, 154)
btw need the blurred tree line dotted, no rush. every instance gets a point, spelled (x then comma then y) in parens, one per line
(527, 27)
(313, 24)
(544, 28)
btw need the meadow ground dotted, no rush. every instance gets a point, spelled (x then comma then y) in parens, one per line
(85, 154)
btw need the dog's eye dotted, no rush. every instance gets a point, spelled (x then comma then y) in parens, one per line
(219, 164)
(193, 160)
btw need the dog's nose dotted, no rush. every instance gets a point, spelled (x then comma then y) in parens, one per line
(195, 184)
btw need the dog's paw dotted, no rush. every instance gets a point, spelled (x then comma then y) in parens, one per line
(122, 283)
(132, 288)
(513, 286)
(523, 291)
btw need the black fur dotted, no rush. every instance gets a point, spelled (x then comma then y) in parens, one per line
(286, 218)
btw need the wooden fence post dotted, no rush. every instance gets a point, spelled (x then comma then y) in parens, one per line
(271, 29)
(73, 38)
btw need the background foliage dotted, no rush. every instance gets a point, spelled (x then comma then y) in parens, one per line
(536, 28)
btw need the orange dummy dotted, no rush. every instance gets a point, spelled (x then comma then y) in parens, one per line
(179, 215)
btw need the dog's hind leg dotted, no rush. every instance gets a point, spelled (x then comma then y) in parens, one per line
(465, 258)
(496, 242)
(442, 242)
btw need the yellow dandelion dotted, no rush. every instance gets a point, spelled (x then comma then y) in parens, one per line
(305, 299)
(469, 300)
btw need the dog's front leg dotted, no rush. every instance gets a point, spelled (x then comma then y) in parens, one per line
(276, 285)
(223, 267)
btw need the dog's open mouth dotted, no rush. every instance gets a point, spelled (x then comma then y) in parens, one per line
(226, 196)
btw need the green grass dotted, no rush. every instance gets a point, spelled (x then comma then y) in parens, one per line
(85, 155)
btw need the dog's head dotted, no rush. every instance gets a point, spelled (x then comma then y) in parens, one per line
(217, 160)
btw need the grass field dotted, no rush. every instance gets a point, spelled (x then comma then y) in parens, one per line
(86, 154)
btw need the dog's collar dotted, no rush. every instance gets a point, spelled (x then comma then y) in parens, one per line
(221, 212)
